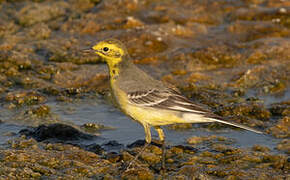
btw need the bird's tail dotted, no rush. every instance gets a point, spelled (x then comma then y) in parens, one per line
(237, 125)
(201, 118)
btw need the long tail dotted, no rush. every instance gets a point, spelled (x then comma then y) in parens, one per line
(202, 118)
(189, 111)
(236, 125)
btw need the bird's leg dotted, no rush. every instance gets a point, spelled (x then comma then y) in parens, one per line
(148, 141)
(162, 139)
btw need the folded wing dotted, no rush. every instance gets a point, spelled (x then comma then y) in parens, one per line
(170, 99)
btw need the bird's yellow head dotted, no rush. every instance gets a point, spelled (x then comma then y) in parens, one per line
(111, 50)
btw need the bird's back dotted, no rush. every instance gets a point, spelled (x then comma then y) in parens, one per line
(132, 79)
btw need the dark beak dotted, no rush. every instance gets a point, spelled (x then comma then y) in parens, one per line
(88, 50)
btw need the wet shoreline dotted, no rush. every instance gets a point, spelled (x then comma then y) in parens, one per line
(232, 56)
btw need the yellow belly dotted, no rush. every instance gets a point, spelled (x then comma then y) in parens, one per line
(152, 116)
(143, 114)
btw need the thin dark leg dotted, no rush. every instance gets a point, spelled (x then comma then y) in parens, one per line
(137, 156)
(163, 168)
(148, 141)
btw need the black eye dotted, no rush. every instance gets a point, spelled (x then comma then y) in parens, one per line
(105, 49)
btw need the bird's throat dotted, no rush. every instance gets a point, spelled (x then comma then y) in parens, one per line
(114, 71)
(115, 67)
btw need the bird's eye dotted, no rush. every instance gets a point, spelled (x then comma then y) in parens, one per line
(105, 49)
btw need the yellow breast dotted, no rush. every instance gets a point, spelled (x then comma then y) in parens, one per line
(151, 116)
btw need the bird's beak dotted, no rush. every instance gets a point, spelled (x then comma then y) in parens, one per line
(88, 50)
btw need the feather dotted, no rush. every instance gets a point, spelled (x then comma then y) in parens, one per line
(170, 99)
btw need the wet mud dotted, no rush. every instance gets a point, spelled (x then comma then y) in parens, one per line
(57, 120)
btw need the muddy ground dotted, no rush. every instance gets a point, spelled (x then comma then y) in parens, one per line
(56, 117)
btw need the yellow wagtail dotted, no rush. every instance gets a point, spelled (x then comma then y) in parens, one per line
(146, 100)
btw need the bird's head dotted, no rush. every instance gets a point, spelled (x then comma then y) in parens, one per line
(111, 50)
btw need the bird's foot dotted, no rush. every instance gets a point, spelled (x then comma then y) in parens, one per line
(136, 157)
(163, 159)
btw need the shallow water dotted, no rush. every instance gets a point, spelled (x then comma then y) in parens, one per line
(232, 56)
(126, 131)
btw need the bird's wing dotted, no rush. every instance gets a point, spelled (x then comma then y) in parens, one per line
(170, 99)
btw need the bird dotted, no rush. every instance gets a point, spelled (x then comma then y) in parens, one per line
(147, 100)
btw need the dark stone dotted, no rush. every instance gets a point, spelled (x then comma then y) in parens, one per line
(56, 131)
(140, 143)
(95, 148)
(112, 146)
(137, 143)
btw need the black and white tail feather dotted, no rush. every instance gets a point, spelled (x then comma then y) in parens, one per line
(171, 99)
